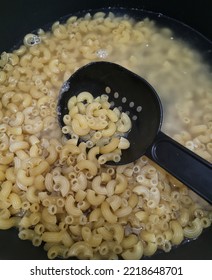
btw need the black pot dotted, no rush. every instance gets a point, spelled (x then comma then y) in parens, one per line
(22, 16)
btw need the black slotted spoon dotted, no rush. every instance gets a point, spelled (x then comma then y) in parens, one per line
(136, 96)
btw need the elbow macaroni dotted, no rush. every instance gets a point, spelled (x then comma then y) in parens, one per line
(94, 120)
(61, 192)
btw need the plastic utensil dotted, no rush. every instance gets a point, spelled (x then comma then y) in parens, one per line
(136, 96)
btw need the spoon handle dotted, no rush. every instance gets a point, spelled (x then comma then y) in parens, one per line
(183, 164)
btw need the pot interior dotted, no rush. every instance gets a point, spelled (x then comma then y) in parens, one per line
(176, 64)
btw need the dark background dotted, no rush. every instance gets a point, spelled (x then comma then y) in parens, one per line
(19, 17)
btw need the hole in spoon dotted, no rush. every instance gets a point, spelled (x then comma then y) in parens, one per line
(124, 100)
(131, 104)
(139, 109)
(116, 95)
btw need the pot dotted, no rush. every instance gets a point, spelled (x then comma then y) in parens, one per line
(25, 16)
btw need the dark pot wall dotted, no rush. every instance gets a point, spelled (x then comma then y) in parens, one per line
(22, 16)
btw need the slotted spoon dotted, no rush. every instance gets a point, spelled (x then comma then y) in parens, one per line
(133, 94)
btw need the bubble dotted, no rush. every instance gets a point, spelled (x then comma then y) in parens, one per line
(31, 40)
(65, 87)
(102, 53)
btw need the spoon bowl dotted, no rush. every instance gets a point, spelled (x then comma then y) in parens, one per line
(129, 92)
